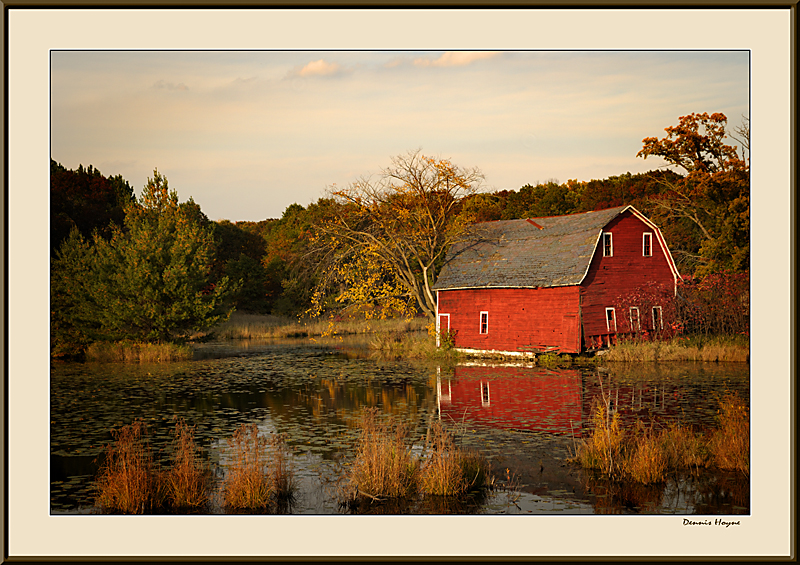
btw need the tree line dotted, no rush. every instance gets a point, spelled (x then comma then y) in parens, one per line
(153, 269)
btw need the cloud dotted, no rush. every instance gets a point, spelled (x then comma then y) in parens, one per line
(320, 67)
(455, 58)
(160, 84)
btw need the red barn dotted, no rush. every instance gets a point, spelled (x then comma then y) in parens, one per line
(563, 284)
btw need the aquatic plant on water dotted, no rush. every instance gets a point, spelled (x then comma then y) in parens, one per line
(129, 481)
(383, 466)
(247, 485)
(645, 455)
(730, 442)
(449, 470)
(188, 479)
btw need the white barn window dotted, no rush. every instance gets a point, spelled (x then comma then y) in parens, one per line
(484, 329)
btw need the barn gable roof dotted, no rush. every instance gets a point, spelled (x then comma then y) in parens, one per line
(529, 253)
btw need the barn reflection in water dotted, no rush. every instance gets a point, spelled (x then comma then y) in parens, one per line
(559, 401)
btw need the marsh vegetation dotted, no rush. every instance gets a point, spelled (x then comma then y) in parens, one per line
(522, 421)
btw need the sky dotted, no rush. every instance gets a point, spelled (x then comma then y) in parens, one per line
(248, 133)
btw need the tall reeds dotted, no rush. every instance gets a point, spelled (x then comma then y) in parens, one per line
(734, 349)
(128, 481)
(259, 472)
(253, 326)
(645, 460)
(646, 456)
(188, 479)
(603, 449)
(450, 470)
(134, 352)
(385, 468)
(247, 484)
(730, 443)
(413, 344)
(282, 472)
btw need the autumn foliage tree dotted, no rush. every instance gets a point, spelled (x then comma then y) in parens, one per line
(150, 281)
(85, 200)
(393, 229)
(712, 193)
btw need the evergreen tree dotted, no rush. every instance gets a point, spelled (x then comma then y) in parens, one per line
(151, 280)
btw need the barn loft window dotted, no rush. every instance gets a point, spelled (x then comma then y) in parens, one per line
(647, 244)
(634, 318)
(608, 248)
(611, 320)
(484, 322)
(658, 321)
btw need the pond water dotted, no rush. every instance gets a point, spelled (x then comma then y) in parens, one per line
(526, 420)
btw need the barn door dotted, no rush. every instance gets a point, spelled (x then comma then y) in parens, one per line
(570, 341)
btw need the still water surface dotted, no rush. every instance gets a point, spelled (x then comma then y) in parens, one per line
(524, 419)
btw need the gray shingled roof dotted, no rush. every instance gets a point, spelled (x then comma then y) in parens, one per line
(517, 253)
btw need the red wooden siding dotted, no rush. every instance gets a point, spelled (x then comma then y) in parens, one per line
(518, 319)
(621, 275)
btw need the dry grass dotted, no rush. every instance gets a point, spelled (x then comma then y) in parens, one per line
(383, 466)
(646, 456)
(645, 460)
(687, 348)
(256, 326)
(412, 344)
(729, 445)
(188, 480)
(128, 481)
(282, 472)
(603, 449)
(450, 470)
(132, 352)
(247, 485)
(683, 448)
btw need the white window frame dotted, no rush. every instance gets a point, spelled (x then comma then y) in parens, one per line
(647, 244)
(608, 234)
(480, 323)
(660, 318)
(613, 317)
(485, 397)
(439, 327)
(638, 327)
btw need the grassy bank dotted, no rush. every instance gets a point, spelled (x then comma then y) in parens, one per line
(684, 348)
(413, 344)
(134, 352)
(646, 455)
(257, 326)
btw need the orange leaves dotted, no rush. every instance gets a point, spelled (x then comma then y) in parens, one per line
(695, 144)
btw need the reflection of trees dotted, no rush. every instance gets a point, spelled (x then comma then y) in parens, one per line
(615, 497)
(709, 493)
(340, 401)
(724, 492)
(427, 505)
